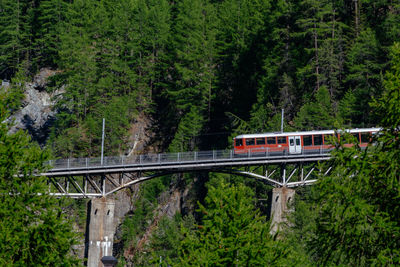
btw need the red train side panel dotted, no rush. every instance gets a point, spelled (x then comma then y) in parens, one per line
(297, 142)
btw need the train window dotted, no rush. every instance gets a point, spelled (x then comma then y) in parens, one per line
(297, 141)
(238, 142)
(260, 141)
(365, 137)
(356, 136)
(327, 138)
(282, 140)
(291, 142)
(271, 140)
(317, 140)
(307, 140)
(250, 142)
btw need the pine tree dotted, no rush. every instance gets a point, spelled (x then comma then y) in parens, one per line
(188, 129)
(317, 114)
(232, 232)
(241, 42)
(95, 78)
(364, 74)
(148, 43)
(49, 17)
(383, 17)
(78, 59)
(15, 35)
(326, 47)
(348, 108)
(33, 228)
(391, 24)
(194, 66)
(356, 207)
(276, 87)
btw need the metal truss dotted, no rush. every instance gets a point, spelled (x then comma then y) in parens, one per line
(102, 185)
(287, 175)
(92, 186)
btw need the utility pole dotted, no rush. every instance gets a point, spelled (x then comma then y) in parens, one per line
(283, 111)
(102, 141)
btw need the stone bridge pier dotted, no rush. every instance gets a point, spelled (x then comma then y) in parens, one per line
(282, 197)
(101, 231)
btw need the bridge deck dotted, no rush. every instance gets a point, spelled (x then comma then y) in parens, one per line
(176, 162)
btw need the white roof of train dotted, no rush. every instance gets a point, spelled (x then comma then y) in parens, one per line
(357, 130)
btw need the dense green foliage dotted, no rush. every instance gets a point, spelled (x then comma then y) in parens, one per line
(33, 229)
(188, 63)
(352, 217)
(232, 232)
(203, 71)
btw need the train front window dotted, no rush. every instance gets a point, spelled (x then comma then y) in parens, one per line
(271, 140)
(250, 142)
(282, 140)
(238, 142)
(260, 141)
(307, 140)
(317, 140)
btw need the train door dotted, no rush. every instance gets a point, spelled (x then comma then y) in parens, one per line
(294, 144)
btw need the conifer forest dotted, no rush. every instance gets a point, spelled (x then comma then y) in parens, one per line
(198, 73)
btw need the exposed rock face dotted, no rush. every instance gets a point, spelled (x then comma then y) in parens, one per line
(139, 136)
(37, 114)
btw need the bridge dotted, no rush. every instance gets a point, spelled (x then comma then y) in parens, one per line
(96, 177)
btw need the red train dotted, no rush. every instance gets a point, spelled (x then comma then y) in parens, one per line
(296, 142)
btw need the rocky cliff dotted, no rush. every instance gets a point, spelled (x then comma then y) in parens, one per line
(37, 113)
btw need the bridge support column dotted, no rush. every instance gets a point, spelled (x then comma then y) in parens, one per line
(101, 231)
(281, 197)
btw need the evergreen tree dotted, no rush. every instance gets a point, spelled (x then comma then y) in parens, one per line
(326, 46)
(347, 108)
(232, 233)
(148, 42)
(15, 35)
(364, 74)
(356, 207)
(194, 44)
(188, 129)
(391, 25)
(243, 28)
(317, 114)
(276, 89)
(265, 119)
(49, 16)
(382, 16)
(33, 229)
(100, 80)
(78, 58)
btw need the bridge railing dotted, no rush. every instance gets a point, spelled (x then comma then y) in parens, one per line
(181, 157)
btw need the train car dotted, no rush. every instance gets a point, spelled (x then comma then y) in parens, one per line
(296, 142)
